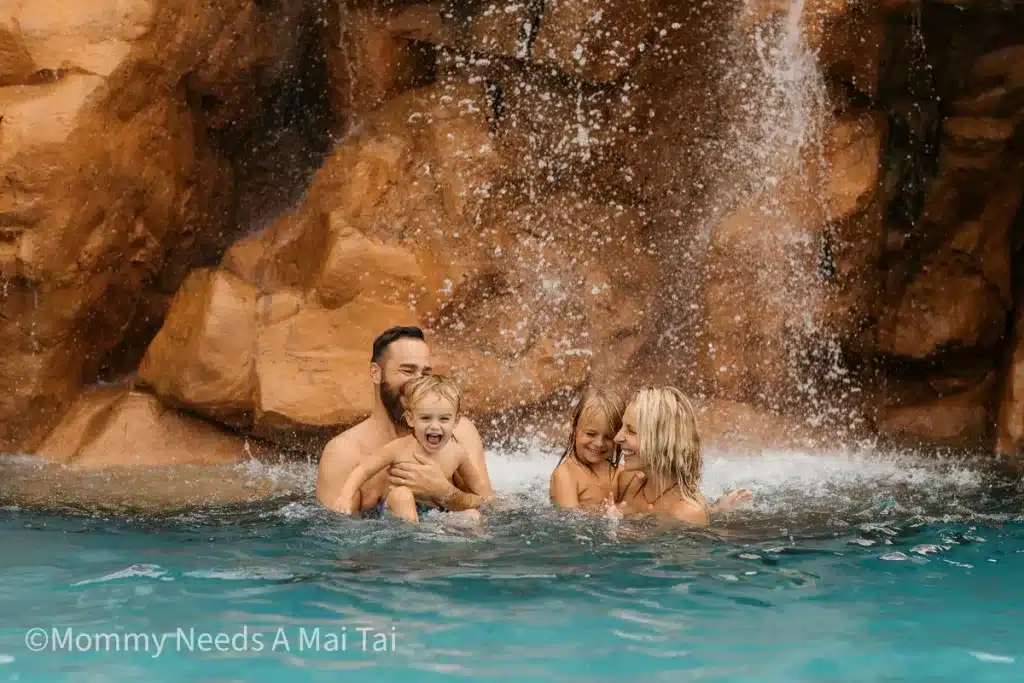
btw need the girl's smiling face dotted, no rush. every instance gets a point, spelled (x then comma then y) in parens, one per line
(627, 440)
(594, 438)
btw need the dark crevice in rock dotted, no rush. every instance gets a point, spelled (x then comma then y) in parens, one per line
(496, 99)
(907, 92)
(528, 31)
(275, 160)
(273, 157)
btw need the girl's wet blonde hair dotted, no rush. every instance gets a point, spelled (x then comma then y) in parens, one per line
(415, 390)
(607, 403)
(668, 440)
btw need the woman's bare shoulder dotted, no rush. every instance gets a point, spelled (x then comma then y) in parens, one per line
(689, 511)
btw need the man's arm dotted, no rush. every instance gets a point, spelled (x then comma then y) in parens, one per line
(362, 473)
(469, 438)
(340, 457)
(473, 479)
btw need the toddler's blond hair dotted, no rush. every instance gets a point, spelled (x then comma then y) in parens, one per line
(418, 389)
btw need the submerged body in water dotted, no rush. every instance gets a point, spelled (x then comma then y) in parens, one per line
(845, 567)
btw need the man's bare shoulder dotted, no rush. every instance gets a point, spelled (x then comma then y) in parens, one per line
(465, 430)
(354, 438)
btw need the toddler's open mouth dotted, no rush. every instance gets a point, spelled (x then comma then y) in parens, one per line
(434, 439)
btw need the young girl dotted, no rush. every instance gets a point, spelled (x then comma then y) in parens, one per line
(662, 460)
(585, 474)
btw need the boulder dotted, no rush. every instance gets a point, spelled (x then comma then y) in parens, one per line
(960, 416)
(304, 300)
(503, 29)
(768, 298)
(370, 59)
(529, 300)
(111, 427)
(205, 354)
(959, 295)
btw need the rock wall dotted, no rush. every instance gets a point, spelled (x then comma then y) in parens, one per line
(116, 120)
(807, 215)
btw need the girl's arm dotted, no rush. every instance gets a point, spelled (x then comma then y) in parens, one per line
(362, 473)
(563, 488)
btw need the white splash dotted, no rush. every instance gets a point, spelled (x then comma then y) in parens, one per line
(991, 658)
(149, 571)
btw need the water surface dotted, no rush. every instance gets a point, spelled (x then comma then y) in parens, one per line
(847, 568)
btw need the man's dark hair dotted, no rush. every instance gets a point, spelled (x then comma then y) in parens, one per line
(387, 337)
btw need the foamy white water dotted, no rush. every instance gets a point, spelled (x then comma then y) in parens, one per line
(520, 474)
(778, 479)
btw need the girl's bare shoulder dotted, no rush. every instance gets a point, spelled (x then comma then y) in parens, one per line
(564, 471)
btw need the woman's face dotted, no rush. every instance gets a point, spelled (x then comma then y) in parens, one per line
(627, 441)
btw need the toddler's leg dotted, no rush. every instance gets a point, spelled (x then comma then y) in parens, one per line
(402, 503)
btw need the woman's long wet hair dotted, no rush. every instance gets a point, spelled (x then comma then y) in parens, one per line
(668, 440)
(609, 405)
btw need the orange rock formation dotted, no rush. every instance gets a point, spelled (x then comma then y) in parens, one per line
(811, 222)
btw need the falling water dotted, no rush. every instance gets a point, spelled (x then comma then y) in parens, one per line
(760, 225)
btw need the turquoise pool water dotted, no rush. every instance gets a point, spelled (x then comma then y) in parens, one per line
(847, 569)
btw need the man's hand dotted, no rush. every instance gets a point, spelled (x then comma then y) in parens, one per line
(424, 477)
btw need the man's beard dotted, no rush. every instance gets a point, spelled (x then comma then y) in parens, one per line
(392, 400)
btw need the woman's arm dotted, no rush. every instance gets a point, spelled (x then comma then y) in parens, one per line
(363, 472)
(563, 488)
(730, 500)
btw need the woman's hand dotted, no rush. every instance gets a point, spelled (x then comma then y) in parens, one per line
(732, 499)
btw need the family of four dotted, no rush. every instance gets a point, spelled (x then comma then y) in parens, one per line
(416, 452)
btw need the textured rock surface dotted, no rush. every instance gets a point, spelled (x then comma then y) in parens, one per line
(519, 305)
(114, 180)
(114, 427)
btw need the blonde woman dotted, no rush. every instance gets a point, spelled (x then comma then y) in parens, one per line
(660, 446)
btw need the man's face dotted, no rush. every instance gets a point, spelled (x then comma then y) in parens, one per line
(404, 360)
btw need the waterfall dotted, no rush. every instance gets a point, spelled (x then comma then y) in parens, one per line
(762, 220)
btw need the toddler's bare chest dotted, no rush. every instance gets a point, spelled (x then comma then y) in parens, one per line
(448, 462)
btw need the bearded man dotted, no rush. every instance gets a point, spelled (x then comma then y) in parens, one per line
(399, 354)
